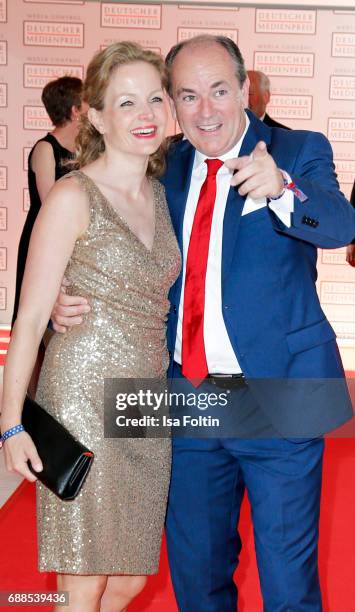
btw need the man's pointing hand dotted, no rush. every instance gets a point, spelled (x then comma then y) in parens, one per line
(256, 174)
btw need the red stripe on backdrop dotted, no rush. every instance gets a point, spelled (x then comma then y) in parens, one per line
(337, 543)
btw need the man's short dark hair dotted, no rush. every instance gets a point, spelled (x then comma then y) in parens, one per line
(60, 96)
(227, 43)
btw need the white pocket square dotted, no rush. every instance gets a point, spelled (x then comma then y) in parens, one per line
(252, 205)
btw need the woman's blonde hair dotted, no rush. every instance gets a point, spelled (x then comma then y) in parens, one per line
(89, 142)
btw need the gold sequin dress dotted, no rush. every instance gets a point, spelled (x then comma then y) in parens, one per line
(115, 524)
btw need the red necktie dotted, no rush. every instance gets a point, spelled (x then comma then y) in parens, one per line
(194, 363)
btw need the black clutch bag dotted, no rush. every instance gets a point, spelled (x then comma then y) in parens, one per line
(66, 462)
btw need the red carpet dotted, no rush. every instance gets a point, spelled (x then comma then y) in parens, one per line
(337, 546)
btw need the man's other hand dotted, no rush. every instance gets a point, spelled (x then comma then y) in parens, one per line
(68, 309)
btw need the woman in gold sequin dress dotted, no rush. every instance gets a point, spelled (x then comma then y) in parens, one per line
(106, 226)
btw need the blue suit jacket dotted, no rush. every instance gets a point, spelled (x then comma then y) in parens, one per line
(280, 335)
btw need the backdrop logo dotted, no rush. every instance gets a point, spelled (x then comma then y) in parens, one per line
(343, 44)
(290, 107)
(345, 169)
(334, 257)
(3, 52)
(38, 75)
(3, 218)
(336, 292)
(341, 130)
(3, 136)
(146, 16)
(344, 329)
(3, 256)
(26, 152)
(342, 88)
(26, 199)
(186, 33)
(3, 11)
(53, 34)
(3, 295)
(274, 21)
(3, 177)
(3, 95)
(36, 118)
(55, 1)
(284, 63)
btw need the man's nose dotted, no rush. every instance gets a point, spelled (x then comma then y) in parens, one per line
(206, 108)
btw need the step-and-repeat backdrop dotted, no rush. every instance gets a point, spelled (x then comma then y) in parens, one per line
(309, 56)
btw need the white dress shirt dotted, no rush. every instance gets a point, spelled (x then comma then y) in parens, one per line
(219, 352)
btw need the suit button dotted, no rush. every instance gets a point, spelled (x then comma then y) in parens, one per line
(174, 309)
(170, 354)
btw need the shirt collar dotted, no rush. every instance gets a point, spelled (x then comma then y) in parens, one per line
(200, 158)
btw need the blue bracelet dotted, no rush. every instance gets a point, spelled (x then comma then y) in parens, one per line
(12, 432)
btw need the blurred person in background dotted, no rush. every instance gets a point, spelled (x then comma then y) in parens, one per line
(259, 98)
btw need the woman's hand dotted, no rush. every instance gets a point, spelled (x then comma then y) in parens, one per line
(18, 450)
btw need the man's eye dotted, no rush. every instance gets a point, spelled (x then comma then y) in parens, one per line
(221, 92)
(188, 98)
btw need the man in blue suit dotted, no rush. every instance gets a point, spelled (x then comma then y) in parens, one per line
(248, 322)
(262, 319)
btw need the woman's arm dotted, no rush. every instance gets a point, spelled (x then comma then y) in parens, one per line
(63, 217)
(43, 165)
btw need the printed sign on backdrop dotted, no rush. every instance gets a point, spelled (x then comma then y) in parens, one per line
(36, 118)
(290, 106)
(3, 136)
(53, 34)
(26, 152)
(3, 259)
(283, 63)
(335, 292)
(343, 44)
(3, 218)
(3, 11)
(3, 95)
(345, 169)
(53, 2)
(3, 52)
(38, 75)
(342, 87)
(281, 21)
(138, 16)
(3, 178)
(341, 130)
(26, 200)
(3, 300)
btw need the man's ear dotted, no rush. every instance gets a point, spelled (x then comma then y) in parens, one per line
(266, 97)
(245, 92)
(172, 107)
(95, 118)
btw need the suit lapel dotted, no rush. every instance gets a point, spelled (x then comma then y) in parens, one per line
(177, 182)
(256, 131)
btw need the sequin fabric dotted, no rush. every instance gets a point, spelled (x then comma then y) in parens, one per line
(115, 524)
